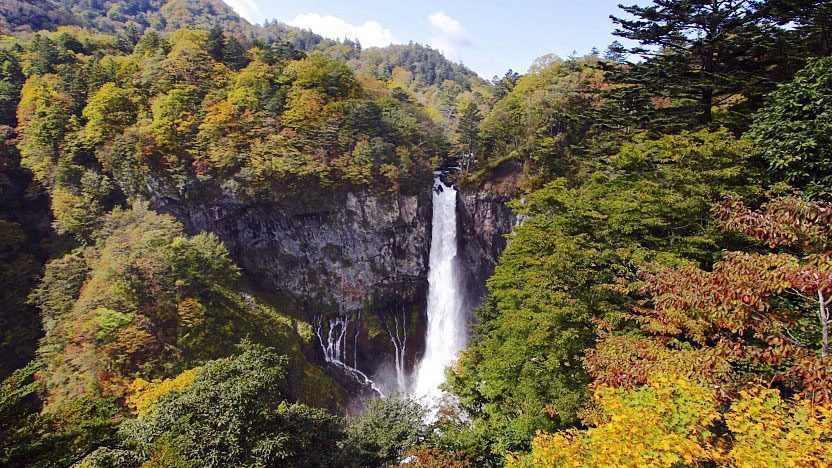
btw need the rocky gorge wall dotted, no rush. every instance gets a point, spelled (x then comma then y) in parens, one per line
(354, 266)
(356, 252)
(362, 256)
(484, 222)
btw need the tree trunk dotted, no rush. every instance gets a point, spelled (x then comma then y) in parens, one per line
(706, 99)
(707, 102)
(823, 315)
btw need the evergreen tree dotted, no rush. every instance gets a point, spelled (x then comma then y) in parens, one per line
(504, 85)
(149, 43)
(44, 55)
(282, 52)
(615, 53)
(813, 23)
(234, 54)
(216, 42)
(697, 51)
(11, 80)
(469, 132)
(128, 38)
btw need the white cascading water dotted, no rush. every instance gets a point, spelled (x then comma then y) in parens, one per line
(334, 347)
(446, 331)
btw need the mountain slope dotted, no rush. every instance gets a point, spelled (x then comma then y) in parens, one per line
(117, 15)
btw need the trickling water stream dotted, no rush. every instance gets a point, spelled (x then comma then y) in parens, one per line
(333, 343)
(446, 330)
(398, 336)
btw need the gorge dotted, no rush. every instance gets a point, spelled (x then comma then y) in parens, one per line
(358, 267)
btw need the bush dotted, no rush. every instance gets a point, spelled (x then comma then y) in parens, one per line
(235, 413)
(386, 430)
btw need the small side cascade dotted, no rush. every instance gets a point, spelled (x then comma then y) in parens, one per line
(398, 336)
(333, 342)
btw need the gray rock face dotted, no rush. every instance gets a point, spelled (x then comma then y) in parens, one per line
(484, 223)
(356, 252)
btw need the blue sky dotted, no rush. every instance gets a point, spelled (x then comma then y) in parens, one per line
(488, 36)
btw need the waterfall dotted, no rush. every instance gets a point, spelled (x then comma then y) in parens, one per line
(446, 330)
(333, 344)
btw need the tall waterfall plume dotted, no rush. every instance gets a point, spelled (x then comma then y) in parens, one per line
(447, 317)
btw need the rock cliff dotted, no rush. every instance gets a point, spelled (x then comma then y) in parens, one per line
(355, 266)
(484, 222)
(355, 252)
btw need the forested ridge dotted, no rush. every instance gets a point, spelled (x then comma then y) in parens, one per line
(664, 299)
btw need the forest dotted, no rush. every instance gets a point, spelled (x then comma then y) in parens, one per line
(664, 297)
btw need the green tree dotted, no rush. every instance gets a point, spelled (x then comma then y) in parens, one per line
(215, 45)
(695, 52)
(57, 438)
(320, 73)
(794, 130)
(386, 430)
(543, 116)
(42, 56)
(503, 85)
(44, 118)
(236, 413)
(19, 324)
(812, 23)
(108, 112)
(234, 54)
(18, 410)
(566, 265)
(11, 81)
(469, 130)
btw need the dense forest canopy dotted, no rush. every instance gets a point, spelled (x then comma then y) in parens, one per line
(670, 270)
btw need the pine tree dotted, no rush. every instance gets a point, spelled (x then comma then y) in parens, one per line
(234, 54)
(812, 20)
(469, 133)
(44, 56)
(216, 42)
(698, 51)
(504, 85)
(127, 39)
(615, 53)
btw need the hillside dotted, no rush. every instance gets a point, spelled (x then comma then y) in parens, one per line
(444, 87)
(117, 16)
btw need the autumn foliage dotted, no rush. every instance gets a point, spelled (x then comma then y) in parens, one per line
(749, 335)
(673, 421)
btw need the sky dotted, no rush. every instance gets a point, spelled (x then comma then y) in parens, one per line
(489, 37)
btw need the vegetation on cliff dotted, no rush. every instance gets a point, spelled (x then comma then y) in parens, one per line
(171, 119)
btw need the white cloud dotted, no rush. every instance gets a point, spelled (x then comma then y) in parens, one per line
(370, 33)
(444, 23)
(448, 34)
(248, 9)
